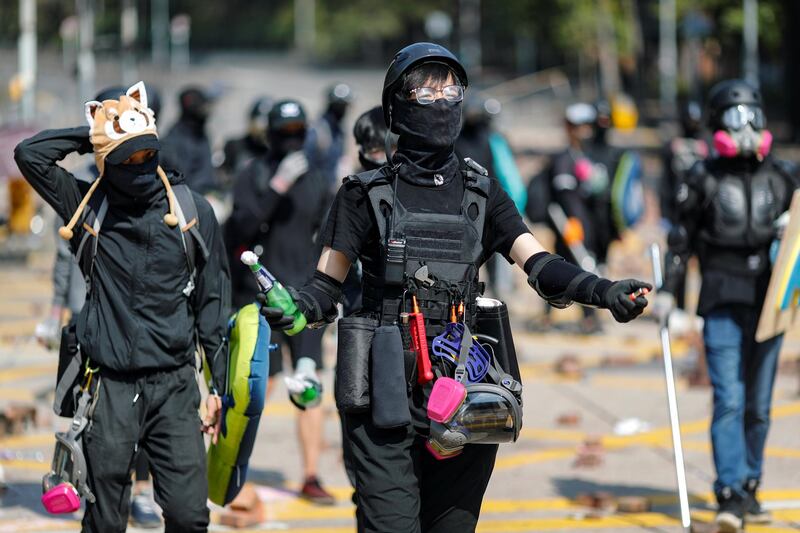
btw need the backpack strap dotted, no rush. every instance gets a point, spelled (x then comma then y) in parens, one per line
(379, 190)
(191, 238)
(94, 215)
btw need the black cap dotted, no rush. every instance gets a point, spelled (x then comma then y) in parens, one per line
(121, 153)
(411, 56)
(340, 93)
(286, 112)
(727, 94)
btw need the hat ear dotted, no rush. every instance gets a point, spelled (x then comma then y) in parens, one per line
(138, 93)
(91, 108)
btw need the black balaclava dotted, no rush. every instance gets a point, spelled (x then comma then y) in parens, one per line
(428, 134)
(137, 182)
(282, 143)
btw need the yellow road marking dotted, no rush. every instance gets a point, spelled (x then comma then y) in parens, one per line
(28, 371)
(26, 464)
(17, 394)
(27, 441)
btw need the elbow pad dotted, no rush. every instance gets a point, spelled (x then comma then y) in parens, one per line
(318, 300)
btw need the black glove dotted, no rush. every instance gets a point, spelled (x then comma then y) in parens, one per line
(617, 299)
(275, 316)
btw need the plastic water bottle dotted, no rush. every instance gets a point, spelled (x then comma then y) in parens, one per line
(277, 295)
(305, 389)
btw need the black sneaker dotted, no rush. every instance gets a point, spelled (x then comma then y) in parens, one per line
(730, 515)
(754, 513)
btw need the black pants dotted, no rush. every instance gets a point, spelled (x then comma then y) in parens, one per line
(401, 487)
(156, 412)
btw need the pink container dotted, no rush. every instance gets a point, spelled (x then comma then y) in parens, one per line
(446, 397)
(62, 498)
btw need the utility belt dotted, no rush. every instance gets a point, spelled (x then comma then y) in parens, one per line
(752, 262)
(376, 367)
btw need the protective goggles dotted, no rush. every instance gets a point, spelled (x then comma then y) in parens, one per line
(737, 117)
(480, 413)
(427, 95)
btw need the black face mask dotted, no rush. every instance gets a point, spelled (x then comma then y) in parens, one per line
(427, 136)
(281, 145)
(135, 181)
(429, 127)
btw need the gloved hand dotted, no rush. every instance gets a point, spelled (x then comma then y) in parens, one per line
(290, 168)
(663, 305)
(275, 317)
(618, 299)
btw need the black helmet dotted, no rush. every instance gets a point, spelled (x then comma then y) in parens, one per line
(727, 94)
(284, 113)
(411, 56)
(112, 93)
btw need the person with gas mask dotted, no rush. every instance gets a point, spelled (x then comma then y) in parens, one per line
(729, 208)
(411, 377)
(680, 155)
(577, 183)
(186, 147)
(278, 206)
(240, 151)
(325, 142)
(158, 286)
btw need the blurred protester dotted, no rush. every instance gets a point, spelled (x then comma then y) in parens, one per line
(369, 132)
(578, 184)
(729, 211)
(279, 203)
(325, 142)
(680, 154)
(153, 303)
(186, 147)
(240, 151)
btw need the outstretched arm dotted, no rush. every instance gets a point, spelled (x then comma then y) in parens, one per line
(560, 283)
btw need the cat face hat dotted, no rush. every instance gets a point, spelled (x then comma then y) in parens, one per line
(118, 129)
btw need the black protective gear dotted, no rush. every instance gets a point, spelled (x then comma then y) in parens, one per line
(409, 57)
(195, 104)
(286, 132)
(431, 127)
(285, 113)
(318, 299)
(691, 119)
(275, 316)
(617, 299)
(727, 94)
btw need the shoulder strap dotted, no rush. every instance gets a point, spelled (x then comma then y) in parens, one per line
(379, 190)
(94, 215)
(476, 191)
(189, 223)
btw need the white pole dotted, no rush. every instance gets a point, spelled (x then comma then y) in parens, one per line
(27, 58)
(86, 65)
(129, 29)
(305, 27)
(750, 37)
(668, 56)
(672, 400)
(159, 31)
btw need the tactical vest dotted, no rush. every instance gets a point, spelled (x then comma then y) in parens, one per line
(449, 245)
(739, 213)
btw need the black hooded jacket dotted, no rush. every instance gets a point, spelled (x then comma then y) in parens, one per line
(136, 318)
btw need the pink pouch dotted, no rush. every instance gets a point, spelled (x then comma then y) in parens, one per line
(446, 397)
(583, 169)
(62, 498)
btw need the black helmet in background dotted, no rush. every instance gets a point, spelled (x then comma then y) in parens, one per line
(691, 116)
(258, 119)
(286, 132)
(195, 104)
(736, 117)
(408, 58)
(339, 96)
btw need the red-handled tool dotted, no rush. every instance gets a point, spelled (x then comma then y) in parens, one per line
(644, 291)
(420, 342)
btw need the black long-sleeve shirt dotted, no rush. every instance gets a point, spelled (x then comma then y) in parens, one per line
(136, 317)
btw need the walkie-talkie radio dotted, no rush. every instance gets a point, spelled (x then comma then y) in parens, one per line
(395, 261)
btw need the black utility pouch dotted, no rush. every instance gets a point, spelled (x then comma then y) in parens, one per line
(70, 371)
(492, 320)
(351, 387)
(388, 387)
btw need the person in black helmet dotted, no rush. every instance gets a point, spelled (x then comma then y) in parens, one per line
(325, 142)
(680, 155)
(240, 151)
(278, 206)
(369, 132)
(421, 228)
(730, 210)
(186, 146)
